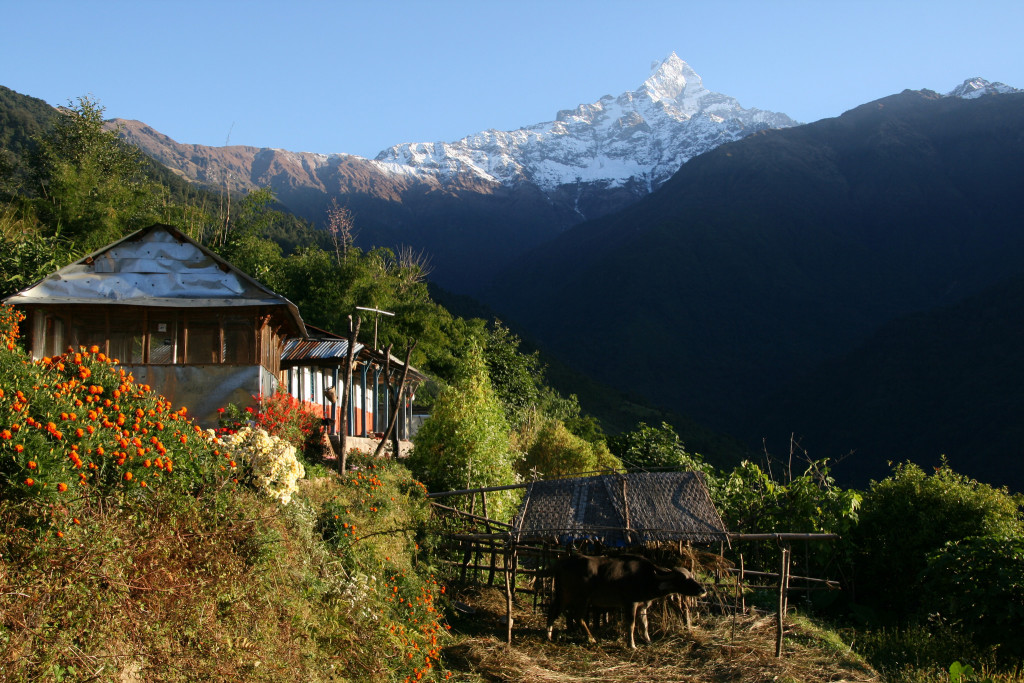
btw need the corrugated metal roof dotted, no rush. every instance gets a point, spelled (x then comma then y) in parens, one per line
(317, 349)
(156, 266)
(621, 509)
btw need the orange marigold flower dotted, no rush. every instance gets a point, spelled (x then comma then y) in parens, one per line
(127, 476)
(32, 464)
(30, 482)
(94, 349)
(62, 487)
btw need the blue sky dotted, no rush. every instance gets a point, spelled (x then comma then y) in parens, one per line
(357, 77)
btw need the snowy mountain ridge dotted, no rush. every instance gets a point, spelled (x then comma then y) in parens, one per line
(973, 88)
(641, 136)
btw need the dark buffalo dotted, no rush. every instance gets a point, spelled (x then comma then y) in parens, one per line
(627, 582)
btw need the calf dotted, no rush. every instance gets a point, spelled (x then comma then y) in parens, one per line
(626, 582)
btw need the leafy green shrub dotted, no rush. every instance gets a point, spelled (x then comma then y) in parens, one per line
(977, 584)
(465, 443)
(750, 500)
(910, 515)
(557, 452)
(655, 447)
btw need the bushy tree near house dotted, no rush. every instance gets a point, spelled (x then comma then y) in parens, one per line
(465, 442)
(556, 452)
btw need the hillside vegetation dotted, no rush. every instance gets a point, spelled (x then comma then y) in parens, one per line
(136, 546)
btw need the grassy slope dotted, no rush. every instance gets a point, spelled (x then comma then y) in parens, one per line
(235, 588)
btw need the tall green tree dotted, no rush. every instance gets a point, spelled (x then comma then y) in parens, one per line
(89, 185)
(465, 442)
(515, 376)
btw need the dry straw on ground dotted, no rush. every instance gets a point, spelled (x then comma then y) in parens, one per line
(719, 648)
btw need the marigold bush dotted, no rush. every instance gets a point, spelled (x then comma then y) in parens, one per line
(76, 426)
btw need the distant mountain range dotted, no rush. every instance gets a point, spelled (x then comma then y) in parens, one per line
(476, 204)
(854, 282)
(762, 288)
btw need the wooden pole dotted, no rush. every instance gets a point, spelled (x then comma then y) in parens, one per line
(509, 580)
(743, 595)
(783, 583)
(346, 398)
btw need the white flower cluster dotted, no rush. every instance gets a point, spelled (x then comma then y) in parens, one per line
(275, 469)
(357, 594)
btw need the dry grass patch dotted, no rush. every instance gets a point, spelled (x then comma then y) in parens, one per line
(719, 649)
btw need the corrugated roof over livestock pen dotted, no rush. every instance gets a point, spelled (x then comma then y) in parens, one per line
(621, 509)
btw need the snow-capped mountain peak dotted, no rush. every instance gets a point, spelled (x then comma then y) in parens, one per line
(639, 138)
(973, 88)
(672, 80)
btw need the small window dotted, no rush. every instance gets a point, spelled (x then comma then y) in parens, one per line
(89, 330)
(49, 337)
(163, 339)
(127, 338)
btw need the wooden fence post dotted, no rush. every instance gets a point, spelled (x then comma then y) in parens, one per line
(783, 598)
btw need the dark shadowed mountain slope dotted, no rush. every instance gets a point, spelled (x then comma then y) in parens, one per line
(946, 382)
(767, 256)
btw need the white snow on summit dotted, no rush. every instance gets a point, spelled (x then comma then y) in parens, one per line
(974, 88)
(643, 135)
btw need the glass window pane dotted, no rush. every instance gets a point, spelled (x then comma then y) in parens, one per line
(89, 330)
(48, 335)
(127, 337)
(163, 338)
